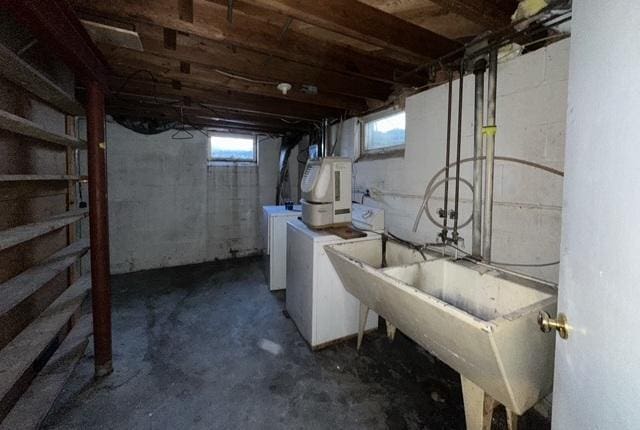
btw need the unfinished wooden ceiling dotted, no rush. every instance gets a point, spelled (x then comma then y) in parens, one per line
(217, 63)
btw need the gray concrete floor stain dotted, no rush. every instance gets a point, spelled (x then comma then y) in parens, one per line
(208, 347)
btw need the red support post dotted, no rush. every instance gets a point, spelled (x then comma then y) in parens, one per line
(99, 229)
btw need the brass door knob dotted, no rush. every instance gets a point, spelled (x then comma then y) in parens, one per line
(547, 324)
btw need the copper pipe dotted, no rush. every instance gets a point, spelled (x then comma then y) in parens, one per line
(99, 230)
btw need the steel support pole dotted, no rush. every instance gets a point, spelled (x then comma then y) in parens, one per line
(99, 230)
(476, 241)
(490, 132)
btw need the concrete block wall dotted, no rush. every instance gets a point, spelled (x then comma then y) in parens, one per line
(169, 206)
(531, 117)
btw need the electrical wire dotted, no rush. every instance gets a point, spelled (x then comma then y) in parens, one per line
(244, 78)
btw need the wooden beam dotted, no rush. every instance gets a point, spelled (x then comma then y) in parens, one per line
(288, 24)
(210, 77)
(194, 49)
(231, 101)
(248, 32)
(365, 23)
(484, 12)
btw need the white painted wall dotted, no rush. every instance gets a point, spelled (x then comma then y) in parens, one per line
(531, 116)
(169, 207)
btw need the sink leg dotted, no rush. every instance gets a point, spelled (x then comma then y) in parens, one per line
(478, 406)
(512, 420)
(364, 313)
(391, 330)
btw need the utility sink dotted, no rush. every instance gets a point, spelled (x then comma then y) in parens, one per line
(479, 321)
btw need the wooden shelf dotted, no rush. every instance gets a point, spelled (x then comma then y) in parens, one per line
(22, 73)
(23, 178)
(24, 127)
(19, 360)
(34, 405)
(17, 235)
(19, 288)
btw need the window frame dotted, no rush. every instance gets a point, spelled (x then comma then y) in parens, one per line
(210, 153)
(389, 151)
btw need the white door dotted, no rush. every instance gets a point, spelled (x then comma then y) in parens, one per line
(597, 369)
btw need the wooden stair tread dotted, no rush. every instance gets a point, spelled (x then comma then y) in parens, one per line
(34, 405)
(18, 125)
(17, 235)
(30, 345)
(16, 289)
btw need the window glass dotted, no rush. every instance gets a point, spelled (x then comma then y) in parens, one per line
(232, 148)
(384, 133)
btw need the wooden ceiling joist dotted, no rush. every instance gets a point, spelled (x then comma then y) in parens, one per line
(202, 112)
(484, 12)
(172, 70)
(365, 23)
(209, 22)
(201, 121)
(252, 64)
(221, 99)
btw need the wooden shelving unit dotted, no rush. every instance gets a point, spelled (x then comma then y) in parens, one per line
(18, 125)
(42, 332)
(24, 178)
(19, 288)
(32, 346)
(34, 405)
(17, 235)
(15, 69)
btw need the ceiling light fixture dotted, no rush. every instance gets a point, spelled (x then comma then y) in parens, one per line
(284, 87)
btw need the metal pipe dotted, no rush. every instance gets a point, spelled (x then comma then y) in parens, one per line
(99, 230)
(518, 274)
(459, 146)
(325, 139)
(490, 132)
(476, 241)
(448, 159)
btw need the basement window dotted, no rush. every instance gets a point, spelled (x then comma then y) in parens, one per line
(232, 148)
(383, 132)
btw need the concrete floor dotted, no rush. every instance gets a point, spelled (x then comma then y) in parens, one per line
(208, 347)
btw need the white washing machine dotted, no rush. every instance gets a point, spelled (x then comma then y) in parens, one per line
(316, 300)
(274, 234)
